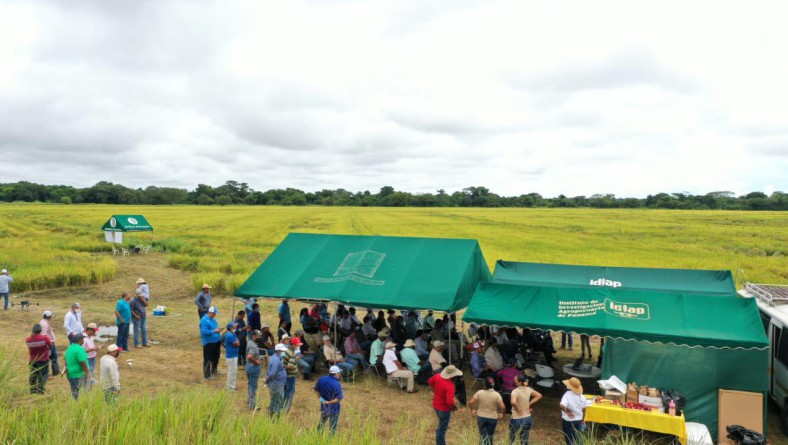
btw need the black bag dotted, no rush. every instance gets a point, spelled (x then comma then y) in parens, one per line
(743, 436)
(677, 397)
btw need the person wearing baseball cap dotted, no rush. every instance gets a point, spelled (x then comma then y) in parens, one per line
(231, 345)
(38, 346)
(276, 377)
(394, 368)
(46, 325)
(329, 390)
(377, 348)
(290, 363)
(443, 388)
(5, 288)
(479, 367)
(210, 336)
(203, 300)
(253, 361)
(436, 356)
(110, 375)
(572, 406)
(302, 360)
(76, 370)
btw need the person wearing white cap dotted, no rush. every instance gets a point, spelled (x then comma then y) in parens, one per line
(46, 326)
(330, 391)
(394, 368)
(142, 286)
(110, 376)
(334, 357)
(5, 289)
(210, 335)
(203, 300)
(72, 322)
(436, 357)
(276, 378)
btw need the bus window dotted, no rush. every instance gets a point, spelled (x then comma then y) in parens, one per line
(765, 319)
(782, 347)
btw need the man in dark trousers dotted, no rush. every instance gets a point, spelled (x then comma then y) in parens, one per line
(39, 347)
(210, 334)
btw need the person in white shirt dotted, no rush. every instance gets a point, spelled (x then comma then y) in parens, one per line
(5, 289)
(73, 322)
(46, 329)
(394, 368)
(492, 357)
(572, 406)
(110, 376)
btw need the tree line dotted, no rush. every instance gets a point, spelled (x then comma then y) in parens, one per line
(234, 192)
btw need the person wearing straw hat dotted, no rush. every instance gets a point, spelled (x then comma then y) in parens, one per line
(5, 289)
(443, 400)
(330, 391)
(572, 406)
(110, 376)
(46, 325)
(38, 346)
(394, 368)
(89, 345)
(210, 336)
(142, 286)
(488, 407)
(140, 316)
(203, 300)
(420, 368)
(522, 399)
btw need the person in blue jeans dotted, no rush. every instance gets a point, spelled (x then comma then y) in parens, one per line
(523, 398)
(123, 320)
(253, 361)
(140, 316)
(276, 377)
(487, 405)
(5, 289)
(330, 391)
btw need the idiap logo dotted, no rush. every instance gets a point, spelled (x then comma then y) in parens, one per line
(132, 221)
(112, 222)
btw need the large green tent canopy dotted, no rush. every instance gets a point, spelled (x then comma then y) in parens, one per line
(711, 282)
(127, 223)
(371, 271)
(677, 318)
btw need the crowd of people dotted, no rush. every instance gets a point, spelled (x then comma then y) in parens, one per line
(410, 348)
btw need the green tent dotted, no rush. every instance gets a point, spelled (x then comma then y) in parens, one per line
(712, 282)
(371, 271)
(127, 223)
(693, 343)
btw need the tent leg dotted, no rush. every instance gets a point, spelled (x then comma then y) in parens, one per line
(449, 342)
(232, 313)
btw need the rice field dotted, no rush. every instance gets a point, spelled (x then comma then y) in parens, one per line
(50, 246)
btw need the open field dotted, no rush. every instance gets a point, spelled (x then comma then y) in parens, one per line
(223, 245)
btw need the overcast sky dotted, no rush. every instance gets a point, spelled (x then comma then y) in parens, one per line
(547, 97)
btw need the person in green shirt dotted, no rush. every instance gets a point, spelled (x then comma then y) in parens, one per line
(376, 350)
(76, 365)
(420, 368)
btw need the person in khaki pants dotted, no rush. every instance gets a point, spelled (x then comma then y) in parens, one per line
(395, 369)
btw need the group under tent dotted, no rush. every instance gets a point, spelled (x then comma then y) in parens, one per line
(117, 225)
(371, 271)
(684, 333)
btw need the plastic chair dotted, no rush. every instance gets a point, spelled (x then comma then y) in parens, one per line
(545, 376)
(125, 251)
(115, 250)
(402, 382)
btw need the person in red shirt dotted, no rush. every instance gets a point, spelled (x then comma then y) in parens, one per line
(443, 400)
(39, 346)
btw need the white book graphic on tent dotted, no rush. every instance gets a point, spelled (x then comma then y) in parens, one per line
(360, 267)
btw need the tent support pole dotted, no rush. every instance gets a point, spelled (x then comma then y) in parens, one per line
(449, 341)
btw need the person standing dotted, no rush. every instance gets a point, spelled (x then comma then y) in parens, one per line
(76, 366)
(253, 361)
(276, 377)
(330, 391)
(73, 322)
(290, 362)
(284, 315)
(38, 346)
(140, 316)
(566, 338)
(241, 331)
(231, 344)
(142, 286)
(572, 406)
(123, 320)
(46, 325)
(443, 400)
(487, 405)
(89, 345)
(211, 343)
(110, 376)
(585, 345)
(523, 398)
(203, 300)
(5, 288)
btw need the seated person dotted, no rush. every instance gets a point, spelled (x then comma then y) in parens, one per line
(353, 350)
(479, 368)
(422, 345)
(420, 368)
(334, 357)
(436, 357)
(492, 357)
(369, 331)
(267, 340)
(395, 369)
(377, 349)
(508, 374)
(411, 325)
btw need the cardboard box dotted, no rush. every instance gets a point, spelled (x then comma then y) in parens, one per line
(632, 393)
(654, 402)
(612, 394)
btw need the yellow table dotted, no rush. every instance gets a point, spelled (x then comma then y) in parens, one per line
(633, 418)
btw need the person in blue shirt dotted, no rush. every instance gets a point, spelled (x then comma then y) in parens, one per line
(330, 391)
(276, 377)
(123, 320)
(231, 344)
(210, 334)
(284, 315)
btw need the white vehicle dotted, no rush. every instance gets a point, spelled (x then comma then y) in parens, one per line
(773, 306)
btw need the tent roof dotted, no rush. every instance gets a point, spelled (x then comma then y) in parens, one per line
(371, 271)
(712, 282)
(678, 318)
(127, 223)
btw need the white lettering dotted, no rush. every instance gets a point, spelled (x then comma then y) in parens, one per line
(605, 282)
